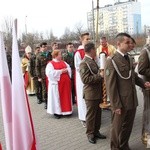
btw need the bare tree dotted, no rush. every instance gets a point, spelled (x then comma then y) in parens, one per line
(50, 36)
(32, 39)
(7, 31)
(79, 29)
(66, 37)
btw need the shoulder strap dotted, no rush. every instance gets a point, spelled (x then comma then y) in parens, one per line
(148, 53)
(89, 67)
(117, 70)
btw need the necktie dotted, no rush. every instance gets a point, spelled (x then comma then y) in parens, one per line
(126, 56)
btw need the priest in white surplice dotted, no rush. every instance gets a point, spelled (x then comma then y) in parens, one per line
(79, 55)
(59, 86)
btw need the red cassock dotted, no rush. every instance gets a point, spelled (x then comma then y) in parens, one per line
(64, 87)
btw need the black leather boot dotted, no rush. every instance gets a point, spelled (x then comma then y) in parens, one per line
(45, 105)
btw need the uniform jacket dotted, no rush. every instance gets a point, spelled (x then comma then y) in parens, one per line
(91, 81)
(121, 92)
(144, 63)
(41, 62)
(70, 60)
(32, 66)
(111, 50)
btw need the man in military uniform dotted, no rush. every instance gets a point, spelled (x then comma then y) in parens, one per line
(144, 70)
(120, 80)
(32, 71)
(69, 58)
(92, 78)
(41, 61)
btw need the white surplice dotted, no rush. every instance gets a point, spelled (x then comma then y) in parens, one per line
(79, 87)
(53, 105)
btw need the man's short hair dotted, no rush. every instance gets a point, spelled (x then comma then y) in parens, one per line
(103, 38)
(83, 34)
(53, 43)
(43, 43)
(89, 46)
(70, 43)
(133, 40)
(37, 47)
(120, 36)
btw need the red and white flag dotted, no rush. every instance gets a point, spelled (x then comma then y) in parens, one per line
(5, 92)
(23, 129)
(0, 146)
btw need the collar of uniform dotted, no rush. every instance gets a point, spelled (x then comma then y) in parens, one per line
(81, 47)
(88, 56)
(55, 60)
(122, 54)
(70, 54)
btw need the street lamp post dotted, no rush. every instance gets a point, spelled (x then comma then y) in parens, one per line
(93, 21)
(97, 23)
(26, 25)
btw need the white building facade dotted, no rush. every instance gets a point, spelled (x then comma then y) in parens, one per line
(120, 17)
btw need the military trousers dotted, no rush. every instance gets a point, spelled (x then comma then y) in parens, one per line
(38, 88)
(121, 129)
(93, 117)
(44, 90)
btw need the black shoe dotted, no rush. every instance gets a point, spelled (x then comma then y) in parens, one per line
(92, 140)
(57, 116)
(31, 94)
(39, 101)
(83, 124)
(45, 106)
(100, 136)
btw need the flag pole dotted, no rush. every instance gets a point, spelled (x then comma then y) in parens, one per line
(23, 130)
(16, 26)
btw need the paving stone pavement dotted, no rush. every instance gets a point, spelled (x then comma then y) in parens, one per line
(67, 133)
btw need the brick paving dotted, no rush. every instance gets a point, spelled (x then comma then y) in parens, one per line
(67, 133)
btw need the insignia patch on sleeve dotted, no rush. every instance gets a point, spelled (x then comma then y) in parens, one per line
(107, 72)
(82, 70)
(141, 59)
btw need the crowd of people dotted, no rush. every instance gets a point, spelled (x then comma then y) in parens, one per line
(60, 80)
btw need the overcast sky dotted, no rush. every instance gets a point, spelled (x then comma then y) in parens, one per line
(55, 15)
